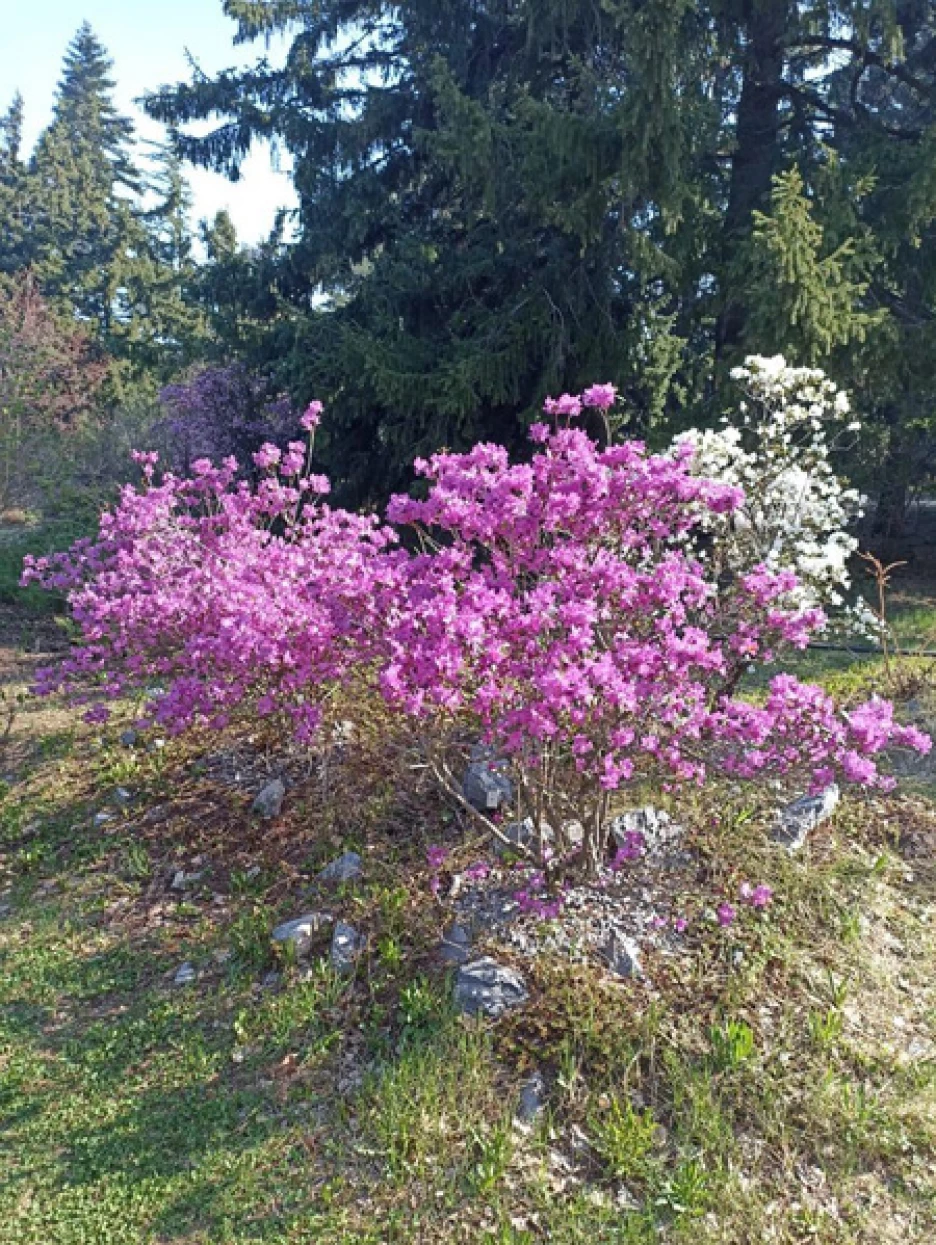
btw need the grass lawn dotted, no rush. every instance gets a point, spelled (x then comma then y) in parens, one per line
(774, 1082)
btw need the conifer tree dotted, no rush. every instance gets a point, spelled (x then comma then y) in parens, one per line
(85, 107)
(485, 214)
(15, 248)
(807, 299)
(505, 198)
(87, 235)
(166, 328)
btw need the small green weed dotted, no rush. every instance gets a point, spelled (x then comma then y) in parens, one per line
(249, 938)
(732, 1044)
(494, 1150)
(624, 1138)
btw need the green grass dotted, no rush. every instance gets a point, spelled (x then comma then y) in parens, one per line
(777, 1084)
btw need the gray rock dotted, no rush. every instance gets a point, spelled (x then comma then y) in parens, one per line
(456, 944)
(269, 801)
(344, 733)
(483, 752)
(797, 819)
(521, 835)
(622, 955)
(487, 988)
(300, 931)
(129, 738)
(485, 789)
(101, 819)
(181, 880)
(185, 975)
(532, 1098)
(657, 827)
(5, 909)
(270, 980)
(347, 944)
(574, 833)
(346, 868)
(122, 797)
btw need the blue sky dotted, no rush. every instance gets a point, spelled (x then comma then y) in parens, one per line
(147, 40)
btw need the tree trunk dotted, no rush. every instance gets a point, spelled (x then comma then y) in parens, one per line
(754, 161)
(891, 511)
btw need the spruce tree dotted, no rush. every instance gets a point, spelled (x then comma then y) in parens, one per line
(807, 298)
(489, 201)
(85, 108)
(15, 226)
(87, 233)
(506, 198)
(166, 328)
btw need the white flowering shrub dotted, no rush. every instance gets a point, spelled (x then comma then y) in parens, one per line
(797, 511)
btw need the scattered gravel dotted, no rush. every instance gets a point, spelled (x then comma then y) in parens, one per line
(630, 909)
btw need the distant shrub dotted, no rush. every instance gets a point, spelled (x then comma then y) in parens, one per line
(219, 411)
(51, 375)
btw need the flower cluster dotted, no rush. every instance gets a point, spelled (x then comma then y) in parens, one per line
(796, 511)
(558, 608)
(228, 595)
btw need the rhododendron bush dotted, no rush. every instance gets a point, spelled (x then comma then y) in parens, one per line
(555, 611)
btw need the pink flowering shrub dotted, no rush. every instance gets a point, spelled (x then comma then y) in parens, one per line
(555, 608)
(230, 596)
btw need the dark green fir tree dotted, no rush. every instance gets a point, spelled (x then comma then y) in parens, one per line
(15, 192)
(87, 236)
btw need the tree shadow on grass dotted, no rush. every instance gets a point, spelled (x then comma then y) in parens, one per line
(220, 1151)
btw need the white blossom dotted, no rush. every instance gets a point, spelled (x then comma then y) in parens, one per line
(797, 512)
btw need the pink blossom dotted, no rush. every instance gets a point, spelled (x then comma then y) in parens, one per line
(726, 914)
(633, 847)
(312, 416)
(603, 396)
(267, 456)
(477, 872)
(761, 896)
(567, 405)
(436, 856)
